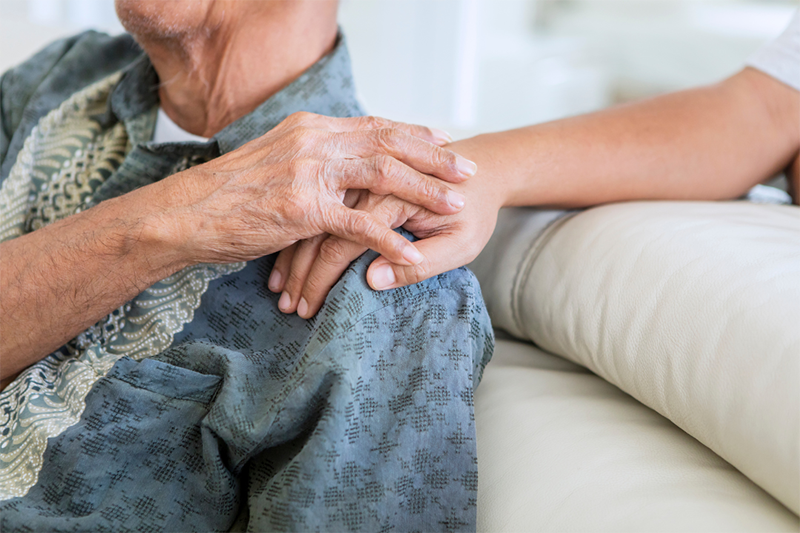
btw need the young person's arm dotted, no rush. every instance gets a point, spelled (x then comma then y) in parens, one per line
(709, 143)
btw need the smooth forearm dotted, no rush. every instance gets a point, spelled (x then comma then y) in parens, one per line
(57, 281)
(708, 143)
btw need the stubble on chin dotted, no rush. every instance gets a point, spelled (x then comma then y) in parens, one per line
(157, 20)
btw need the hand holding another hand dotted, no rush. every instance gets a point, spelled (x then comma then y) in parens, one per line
(306, 271)
(290, 185)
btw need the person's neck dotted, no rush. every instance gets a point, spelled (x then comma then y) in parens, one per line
(213, 77)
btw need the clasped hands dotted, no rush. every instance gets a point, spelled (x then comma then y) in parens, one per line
(322, 191)
(306, 271)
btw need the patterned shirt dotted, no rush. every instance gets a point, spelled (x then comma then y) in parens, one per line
(198, 405)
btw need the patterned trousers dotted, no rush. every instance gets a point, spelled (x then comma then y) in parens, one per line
(360, 419)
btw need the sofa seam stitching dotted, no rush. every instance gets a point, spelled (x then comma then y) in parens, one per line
(525, 266)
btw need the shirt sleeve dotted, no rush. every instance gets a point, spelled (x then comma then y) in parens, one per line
(781, 57)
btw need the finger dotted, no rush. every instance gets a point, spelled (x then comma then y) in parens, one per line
(431, 135)
(367, 230)
(277, 278)
(335, 255)
(416, 153)
(353, 196)
(307, 251)
(384, 175)
(442, 253)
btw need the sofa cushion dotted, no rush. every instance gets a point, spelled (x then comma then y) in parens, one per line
(693, 308)
(560, 449)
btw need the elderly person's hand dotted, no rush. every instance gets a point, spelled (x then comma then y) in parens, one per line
(713, 142)
(282, 187)
(306, 271)
(290, 184)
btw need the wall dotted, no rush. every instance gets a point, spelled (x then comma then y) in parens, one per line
(479, 65)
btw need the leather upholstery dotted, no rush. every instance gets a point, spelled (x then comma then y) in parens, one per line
(560, 449)
(693, 308)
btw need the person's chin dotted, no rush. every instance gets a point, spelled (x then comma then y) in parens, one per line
(149, 19)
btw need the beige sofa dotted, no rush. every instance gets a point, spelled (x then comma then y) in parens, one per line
(649, 379)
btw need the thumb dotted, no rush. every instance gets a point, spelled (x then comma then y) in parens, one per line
(441, 253)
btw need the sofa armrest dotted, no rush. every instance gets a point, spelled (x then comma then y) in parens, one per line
(506, 259)
(693, 308)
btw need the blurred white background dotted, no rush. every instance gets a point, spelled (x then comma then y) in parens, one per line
(480, 65)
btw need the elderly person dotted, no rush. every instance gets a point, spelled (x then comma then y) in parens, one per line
(348, 421)
(145, 184)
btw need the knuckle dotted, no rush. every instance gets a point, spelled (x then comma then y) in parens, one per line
(302, 136)
(374, 123)
(383, 207)
(299, 117)
(293, 282)
(414, 274)
(428, 189)
(301, 166)
(447, 159)
(333, 252)
(317, 285)
(293, 208)
(388, 138)
(385, 169)
(389, 242)
(324, 170)
(360, 224)
(419, 273)
(384, 165)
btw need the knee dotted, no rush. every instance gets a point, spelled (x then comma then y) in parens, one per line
(432, 316)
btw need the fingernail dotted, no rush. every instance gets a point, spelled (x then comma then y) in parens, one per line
(302, 307)
(466, 167)
(274, 282)
(412, 255)
(441, 136)
(284, 302)
(455, 199)
(383, 277)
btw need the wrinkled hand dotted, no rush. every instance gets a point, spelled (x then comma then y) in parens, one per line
(290, 185)
(306, 271)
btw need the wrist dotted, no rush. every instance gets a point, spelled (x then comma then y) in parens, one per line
(158, 239)
(153, 234)
(497, 186)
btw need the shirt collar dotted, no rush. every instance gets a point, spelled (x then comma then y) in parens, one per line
(325, 88)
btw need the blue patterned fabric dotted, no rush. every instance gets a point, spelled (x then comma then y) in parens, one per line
(360, 419)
